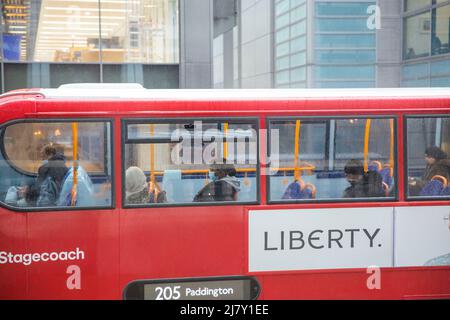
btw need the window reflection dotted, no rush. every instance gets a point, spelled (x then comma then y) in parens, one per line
(90, 31)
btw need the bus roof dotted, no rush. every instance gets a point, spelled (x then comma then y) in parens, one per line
(136, 91)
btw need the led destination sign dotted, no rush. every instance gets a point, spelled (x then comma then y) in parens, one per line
(232, 288)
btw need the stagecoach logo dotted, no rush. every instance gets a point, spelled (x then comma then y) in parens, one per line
(320, 239)
(29, 258)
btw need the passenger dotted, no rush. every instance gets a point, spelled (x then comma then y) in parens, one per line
(25, 196)
(362, 185)
(437, 164)
(224, 187)
(136, 187)
(51, 175)
(54, 164)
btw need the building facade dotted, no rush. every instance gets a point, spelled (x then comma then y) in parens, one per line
(45, 43)
(332, 44)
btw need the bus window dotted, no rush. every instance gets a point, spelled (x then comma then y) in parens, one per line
(40, 173)
(428, 143)
(190, 161)
(321, 159)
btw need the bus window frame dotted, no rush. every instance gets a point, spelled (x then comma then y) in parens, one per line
(405, 153)
(253, 120)
(112, 206)
(394, 198)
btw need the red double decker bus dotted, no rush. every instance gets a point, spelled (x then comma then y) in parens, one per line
(113, 192)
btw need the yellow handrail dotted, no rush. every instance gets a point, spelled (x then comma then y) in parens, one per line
(243, 170)
(225, 144)
(73, 196)
(152, 160)
(296, 150)
(366, 145)
(391, 149)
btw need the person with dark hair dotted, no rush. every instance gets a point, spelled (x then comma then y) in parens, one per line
(51, 175)
(362, 184)
(224, 187)
(437, 164)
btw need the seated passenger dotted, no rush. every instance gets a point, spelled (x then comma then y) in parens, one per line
(25, 196)
(224, 187)
(362, 185)
(85, 189)
(136, 187)
(437, 164)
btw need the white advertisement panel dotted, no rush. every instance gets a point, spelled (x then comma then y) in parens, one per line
(304, 239)
(422, 236)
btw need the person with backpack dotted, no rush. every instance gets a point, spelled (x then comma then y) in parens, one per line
(50, 175)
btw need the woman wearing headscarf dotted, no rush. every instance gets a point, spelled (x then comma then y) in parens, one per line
(136, 187)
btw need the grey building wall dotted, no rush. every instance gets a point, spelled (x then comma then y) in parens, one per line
(196, 34)
(389, 44)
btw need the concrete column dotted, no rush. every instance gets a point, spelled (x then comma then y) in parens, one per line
(196, 35)
(389, 44)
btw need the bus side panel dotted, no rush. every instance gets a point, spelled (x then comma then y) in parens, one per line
(91, 238)
(422, 283)
(181, 242)
(13, 239)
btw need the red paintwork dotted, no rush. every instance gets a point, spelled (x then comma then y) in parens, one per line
(122, 245)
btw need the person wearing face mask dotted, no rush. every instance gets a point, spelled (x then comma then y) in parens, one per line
(224, 187)
(362, 184)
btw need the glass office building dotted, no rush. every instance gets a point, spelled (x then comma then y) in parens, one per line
(49, 42)
(336, 44)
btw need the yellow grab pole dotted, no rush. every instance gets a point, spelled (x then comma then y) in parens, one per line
(152, 160)
(297, 150)
(391, 156)
(225, 144)
(366, 145)
(73, 198)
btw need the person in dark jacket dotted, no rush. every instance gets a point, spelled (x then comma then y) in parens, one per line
(51, 175)
(225, 186)
(437, 164)
(362, 184)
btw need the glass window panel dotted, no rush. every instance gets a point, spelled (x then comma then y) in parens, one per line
(345, 72)
(281, 7)
(282, 49)
(296, 3)
(345, 41)
(282, 77)
(298, 29)
(342, 25)
(345, 84)
(298, 13)
(440, 82)
(343, 56)
(141, 31)
(298, 74)
(415, 71)
(282, 63)
(311, 174)
(441, 39)
(416, 4)
(183, 171)
(428, 149)
(416, 83)
(44, 166)
(282, 35)
(298, 44)
(418, 36)
(342, 9)
(440, 68)
(282, 21)
(298, 59)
